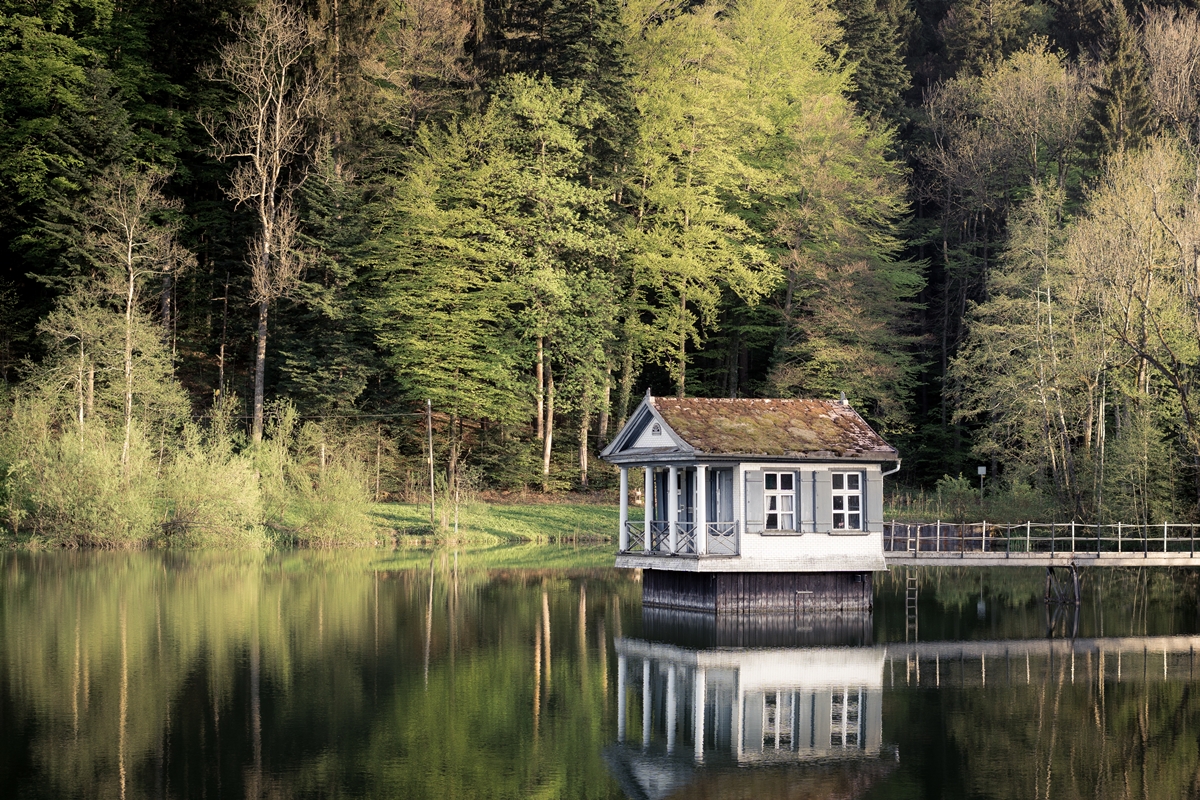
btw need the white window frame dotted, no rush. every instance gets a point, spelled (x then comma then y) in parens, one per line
(775, 501)
(847, 501)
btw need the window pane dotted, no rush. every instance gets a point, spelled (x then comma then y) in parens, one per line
(854, 522)
(853, 500)
(787, 522)
(852, 482)
(773, 521)
(838, 503)
(839, 520)
(786, 502)
(785, 481)
(837, 480)
(770, 479)
(771, 506)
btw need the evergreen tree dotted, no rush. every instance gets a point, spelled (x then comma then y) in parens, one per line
(978, 33)
(875, 36)
(1121, 113)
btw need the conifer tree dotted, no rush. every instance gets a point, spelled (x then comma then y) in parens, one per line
(1121, 113)
(874, 36)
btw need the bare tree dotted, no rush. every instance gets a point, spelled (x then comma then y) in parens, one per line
(1171, 43)
(133, 239)
(268, 133)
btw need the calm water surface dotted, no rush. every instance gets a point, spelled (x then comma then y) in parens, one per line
(534, 672)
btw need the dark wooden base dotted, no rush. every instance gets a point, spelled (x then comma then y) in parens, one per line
(702, 630)
(757, 592)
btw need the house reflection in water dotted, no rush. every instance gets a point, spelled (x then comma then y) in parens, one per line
(684, 712)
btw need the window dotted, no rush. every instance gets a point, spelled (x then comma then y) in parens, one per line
(656, 429)
(847, 501)
(779, 491)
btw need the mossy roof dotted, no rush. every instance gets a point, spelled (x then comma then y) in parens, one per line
(772, 427)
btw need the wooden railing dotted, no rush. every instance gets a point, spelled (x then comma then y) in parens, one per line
(1053, 538)
(722, 539)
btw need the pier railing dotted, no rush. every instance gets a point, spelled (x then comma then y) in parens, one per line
(721, 539)
(1046, 538)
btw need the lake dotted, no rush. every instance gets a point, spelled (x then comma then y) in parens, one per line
(534, 671)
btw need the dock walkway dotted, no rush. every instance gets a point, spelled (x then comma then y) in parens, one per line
(1035, 544)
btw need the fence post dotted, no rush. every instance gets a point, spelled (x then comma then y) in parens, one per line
(1028, 524)
(937, 541)
(1164, 537)
(1072, 537)
(983, 544)
(1007, 541)
(1052, 531)
(1118, 538)
(1146, 540)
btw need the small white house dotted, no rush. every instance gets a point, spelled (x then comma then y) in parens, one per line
(751, 486)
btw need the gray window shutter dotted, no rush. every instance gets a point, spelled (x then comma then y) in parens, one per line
(874, 502)
(754, 501)
(823, 500)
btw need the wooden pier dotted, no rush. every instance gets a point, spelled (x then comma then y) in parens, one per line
(1035, 544)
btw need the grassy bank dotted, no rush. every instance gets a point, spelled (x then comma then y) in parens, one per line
(492, 523)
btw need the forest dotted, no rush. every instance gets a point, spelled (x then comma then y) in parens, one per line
(248, 242)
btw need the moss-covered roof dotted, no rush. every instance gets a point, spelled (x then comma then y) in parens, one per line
(764, 427)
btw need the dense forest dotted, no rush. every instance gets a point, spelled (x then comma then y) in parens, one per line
(247, 241)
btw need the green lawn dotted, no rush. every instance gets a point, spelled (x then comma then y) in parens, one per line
(486, 523)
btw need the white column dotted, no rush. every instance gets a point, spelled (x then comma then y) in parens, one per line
(701, 509)
(622, 670)
(699, 692)
(673, 508)
(623, 534)
(645, 703)
(671, 709)
(648, 502)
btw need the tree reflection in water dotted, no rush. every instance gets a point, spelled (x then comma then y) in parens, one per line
(499, 674)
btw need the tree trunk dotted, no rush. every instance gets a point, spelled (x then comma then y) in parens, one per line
(224, 333)
(602, 432)
(260, 368)
(625, 387)
(81, 400)
(682, 349)
(584, 424)
(541, 387)
(546, 443)
(128, 373)
(165, 304)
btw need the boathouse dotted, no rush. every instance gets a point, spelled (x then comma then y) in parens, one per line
(759, 505)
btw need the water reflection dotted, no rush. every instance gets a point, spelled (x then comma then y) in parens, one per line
(693, 700)
(536, 672)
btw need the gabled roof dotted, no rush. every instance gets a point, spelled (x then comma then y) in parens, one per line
(792, 430)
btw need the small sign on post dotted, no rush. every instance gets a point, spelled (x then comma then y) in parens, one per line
(982, 472)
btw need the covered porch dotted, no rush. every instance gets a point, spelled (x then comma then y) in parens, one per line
(689, 512)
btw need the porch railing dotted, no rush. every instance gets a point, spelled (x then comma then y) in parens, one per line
(721, 539)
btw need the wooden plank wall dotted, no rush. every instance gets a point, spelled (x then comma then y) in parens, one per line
(705, 629)
(688, 591)
(758, 592)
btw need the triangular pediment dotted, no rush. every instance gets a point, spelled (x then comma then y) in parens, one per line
(646, 433)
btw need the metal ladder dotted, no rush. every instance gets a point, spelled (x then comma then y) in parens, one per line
(910, 604)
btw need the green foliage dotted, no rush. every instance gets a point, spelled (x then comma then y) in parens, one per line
(314, 490)
(210, 491)
(1121, 114)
